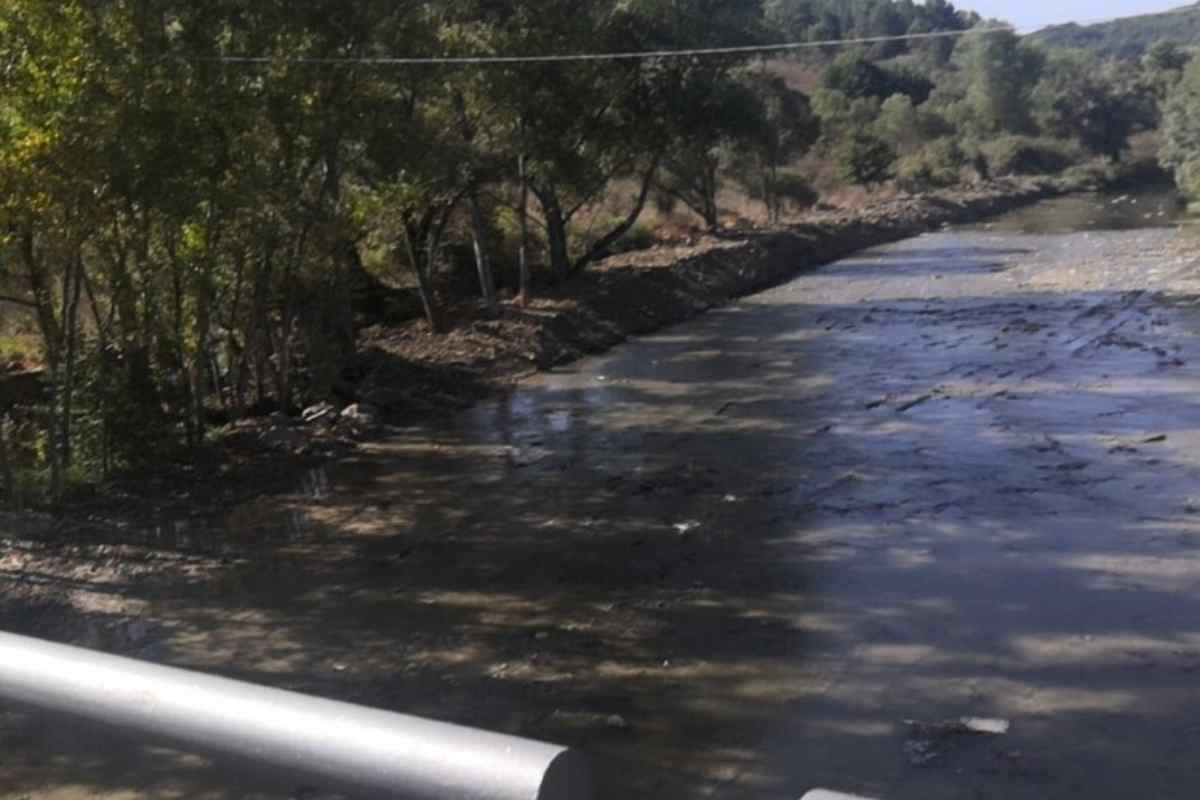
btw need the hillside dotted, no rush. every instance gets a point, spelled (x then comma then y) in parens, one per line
(1127, 38)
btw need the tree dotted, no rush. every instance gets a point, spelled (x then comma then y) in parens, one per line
(999, 72)
(899, 123)
(1078, 98)
(786, 129)
(713, 127)
(1166, 56)
(865, 159)
(1181, 131)
(855, 76)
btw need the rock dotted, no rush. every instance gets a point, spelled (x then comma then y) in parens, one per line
(994, 727)
(316, 413)
(361, 414)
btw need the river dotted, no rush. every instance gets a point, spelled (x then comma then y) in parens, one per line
(787, 544)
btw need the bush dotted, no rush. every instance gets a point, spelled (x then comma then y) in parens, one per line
(865, 159)
(639, 237)
(1026, 155)
(937, 165)
(794, 192)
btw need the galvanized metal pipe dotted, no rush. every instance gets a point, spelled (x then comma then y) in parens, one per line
(351, 746)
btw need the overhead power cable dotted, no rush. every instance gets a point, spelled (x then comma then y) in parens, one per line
(753, 49)
(756, 49)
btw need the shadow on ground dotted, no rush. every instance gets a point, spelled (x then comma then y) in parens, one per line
(732, 559)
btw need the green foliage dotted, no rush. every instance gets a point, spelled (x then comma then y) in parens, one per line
(638, 237)
(1162, 68)
(1081, 100)
(1026, 155)
(191, 240)
(790, 191)
(865, 159)
(1000, 72)
(1181, 131)
(18, 349)
(1166, 56)
(823, 20)
(936, 165)
(899, 123)
(841, 116)
(1128, 38)
(856, 76)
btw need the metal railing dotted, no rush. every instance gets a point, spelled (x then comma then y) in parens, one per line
(351, 747)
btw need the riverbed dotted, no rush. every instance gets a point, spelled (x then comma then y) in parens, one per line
(786, 544)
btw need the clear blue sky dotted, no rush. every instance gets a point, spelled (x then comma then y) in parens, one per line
(1023, 13)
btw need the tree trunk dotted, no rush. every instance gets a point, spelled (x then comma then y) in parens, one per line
(712, 215)
(201, 358)
(258, 340)
(524, 289)
(556, 231)
(421, 265)
(487, 280)
(600, 249)
(74, 286)
(8, 480)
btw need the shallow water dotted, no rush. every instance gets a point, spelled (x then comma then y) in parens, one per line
(1151, 207)
(955, 476)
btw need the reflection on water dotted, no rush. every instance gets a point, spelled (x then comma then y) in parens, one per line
(1156, 207)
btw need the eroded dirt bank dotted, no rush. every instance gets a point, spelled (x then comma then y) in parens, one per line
(954, 476)
(405, 369)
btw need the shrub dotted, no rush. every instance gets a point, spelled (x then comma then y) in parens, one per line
(1025, 155)
(865, 159)
(937, 165)
(639, 237)
(794, 192)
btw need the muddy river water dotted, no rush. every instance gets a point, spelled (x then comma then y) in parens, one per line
(773, 548)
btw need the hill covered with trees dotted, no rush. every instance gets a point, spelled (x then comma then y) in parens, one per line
(1129, 38)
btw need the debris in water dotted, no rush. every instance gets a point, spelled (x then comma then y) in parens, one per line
(318, 412)
(913, 403)
(992, 726)
(927, 741)
(685, 527)
(1162, 437)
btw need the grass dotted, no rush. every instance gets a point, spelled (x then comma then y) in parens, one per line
(19, 349)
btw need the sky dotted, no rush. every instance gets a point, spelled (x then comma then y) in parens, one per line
(1023, 13)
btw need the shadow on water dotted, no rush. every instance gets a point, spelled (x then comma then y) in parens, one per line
(732, 559)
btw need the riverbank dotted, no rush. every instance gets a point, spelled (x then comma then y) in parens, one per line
(406, 369)
(403, 372)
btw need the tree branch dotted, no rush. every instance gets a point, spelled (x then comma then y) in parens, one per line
(600, 248)
(17, 301)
